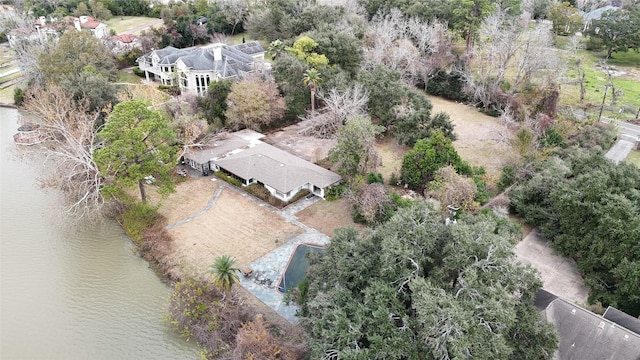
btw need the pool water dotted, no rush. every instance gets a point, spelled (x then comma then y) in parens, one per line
(297, 267)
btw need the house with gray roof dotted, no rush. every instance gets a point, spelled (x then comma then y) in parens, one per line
(585, 335)
(596, 15)
(193, 69)
(244, 156)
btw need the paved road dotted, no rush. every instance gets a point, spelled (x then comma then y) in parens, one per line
(627, 139)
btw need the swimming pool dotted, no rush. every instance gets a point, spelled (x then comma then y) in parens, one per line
(297, 267)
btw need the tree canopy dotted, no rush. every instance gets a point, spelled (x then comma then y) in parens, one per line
(355, 152)
(420, 164)
(138, 148)
(589, 208)
(417, 289)
(619, 30)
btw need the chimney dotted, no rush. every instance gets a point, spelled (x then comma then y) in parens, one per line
(76, 24)
(83, 19)
(43, 20)
(217, 52)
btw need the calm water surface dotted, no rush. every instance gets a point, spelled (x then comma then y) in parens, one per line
(76, 293)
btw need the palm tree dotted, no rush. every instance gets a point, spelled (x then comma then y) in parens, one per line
(225, 275)
(311, 79)
(275, 48)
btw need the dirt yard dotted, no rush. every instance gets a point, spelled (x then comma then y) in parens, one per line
(307, 147)
(391, 155)
(235, 225)
(326, 216)
(478, 135)
(190, 197)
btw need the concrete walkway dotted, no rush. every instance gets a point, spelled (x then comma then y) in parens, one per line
(559, 275)
(620, 150)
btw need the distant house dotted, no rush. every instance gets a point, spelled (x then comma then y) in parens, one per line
(585, 335)
(45, 30)
(87, 23)
(193, 69)
(596, 15)
(244, 156)
(122, 44)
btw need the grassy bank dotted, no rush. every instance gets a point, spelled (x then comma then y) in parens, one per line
(127, 23)
(626, 79)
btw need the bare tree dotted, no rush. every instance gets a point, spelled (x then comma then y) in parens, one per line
(371, 201)
(339, 106)
(235, 11)
(407, 45)
(453, 189)
(508, 53)
(72, 139)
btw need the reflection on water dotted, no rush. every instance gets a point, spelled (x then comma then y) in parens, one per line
(74, 293)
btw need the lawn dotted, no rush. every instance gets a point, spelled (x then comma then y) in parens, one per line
(326, 216)
(235, 225)
(633, 158)
(626, 78)
(127, 77)
(6, 95)
(128, 23)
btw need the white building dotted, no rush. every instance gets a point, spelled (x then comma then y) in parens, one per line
(193, 69)
(44, 30)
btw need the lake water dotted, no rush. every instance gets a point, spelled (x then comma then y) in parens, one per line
(74, 293)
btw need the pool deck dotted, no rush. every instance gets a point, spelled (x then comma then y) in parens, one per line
(267, 270)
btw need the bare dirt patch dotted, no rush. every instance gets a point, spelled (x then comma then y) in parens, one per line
(326, 216)
(479, 136)
(307, 147)
(236, 226)
(190, 197)
(391, 155)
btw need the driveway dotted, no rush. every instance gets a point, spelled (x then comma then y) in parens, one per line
(559, 274)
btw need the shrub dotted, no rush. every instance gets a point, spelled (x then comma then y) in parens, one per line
(129, 59)
(375, 178)
(172, 90)
(137, 71)
(335, 192)
(507, 178)
(199, 310)
(447, 85)
(18, 96)
(230, 179)
(137, 218)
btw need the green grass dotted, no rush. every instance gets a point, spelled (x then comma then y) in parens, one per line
(595, 81)
(626, 59)
(6, 95)
(125, 23)
(126, 77)
(633, 158)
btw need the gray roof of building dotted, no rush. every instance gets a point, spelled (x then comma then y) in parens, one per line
(218, 148)
(235, 58)
(623, 319)
(243, 154)
(277, 168)
(597, 13)
(587, 336)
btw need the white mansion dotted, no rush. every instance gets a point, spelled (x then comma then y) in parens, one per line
(193, 69)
